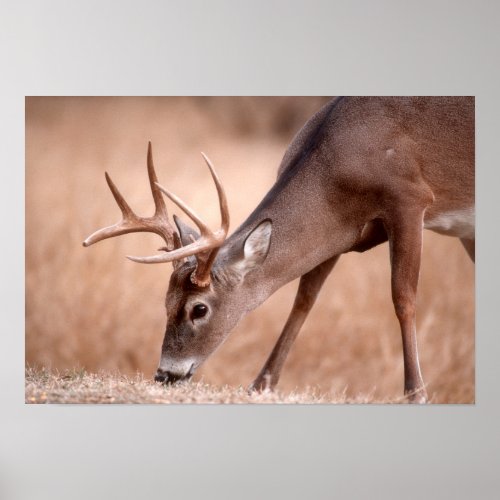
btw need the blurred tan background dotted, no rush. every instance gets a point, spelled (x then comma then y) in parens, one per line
(94, 309)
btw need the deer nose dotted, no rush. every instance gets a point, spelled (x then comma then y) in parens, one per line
(161, 376)
(168, 377)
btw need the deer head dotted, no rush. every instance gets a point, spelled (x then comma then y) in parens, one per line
(202, 302)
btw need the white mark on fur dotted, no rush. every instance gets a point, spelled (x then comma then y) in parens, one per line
(460, 223)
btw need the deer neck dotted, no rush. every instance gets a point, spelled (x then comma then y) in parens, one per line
(305, 233)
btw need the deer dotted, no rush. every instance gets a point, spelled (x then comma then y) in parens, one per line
(362, 171)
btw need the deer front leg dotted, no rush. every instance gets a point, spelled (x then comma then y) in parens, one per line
(405, 238)
(309, 287)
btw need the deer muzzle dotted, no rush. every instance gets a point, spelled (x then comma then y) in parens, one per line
(170, 371)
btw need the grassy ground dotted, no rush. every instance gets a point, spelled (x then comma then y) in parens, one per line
(78, 386)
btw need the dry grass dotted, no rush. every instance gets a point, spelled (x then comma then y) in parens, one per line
(78, 386)
(93, 308)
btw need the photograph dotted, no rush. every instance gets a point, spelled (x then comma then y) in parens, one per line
(255, 250)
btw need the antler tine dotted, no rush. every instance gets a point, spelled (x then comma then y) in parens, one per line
(224, 210)
(120, 200)
(160, 207)
(200, 245)
(122, 227)
(105, 232)
(201, 275)
(185, 208)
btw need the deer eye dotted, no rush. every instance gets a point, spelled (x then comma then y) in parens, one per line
(199, 310)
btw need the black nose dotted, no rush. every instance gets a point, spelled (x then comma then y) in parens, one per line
(160, 376)
(166, 377)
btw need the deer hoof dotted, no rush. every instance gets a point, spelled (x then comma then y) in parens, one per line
(418, 397)
(261, 384)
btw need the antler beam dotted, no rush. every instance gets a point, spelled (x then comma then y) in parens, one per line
(131, 222)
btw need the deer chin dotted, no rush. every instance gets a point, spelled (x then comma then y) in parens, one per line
(173, 371)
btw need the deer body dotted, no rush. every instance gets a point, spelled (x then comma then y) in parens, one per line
(362, 171)
(348, 168)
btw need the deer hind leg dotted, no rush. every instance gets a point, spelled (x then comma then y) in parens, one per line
(470, 246)
(405, 238)
(309, 287)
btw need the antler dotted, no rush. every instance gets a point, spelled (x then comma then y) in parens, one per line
(204, 248)
(132, 223)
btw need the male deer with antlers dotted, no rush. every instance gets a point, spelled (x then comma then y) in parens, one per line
(362, 171)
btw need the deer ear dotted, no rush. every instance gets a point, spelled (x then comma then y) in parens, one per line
(255, 249)
(186, 232)
(257, 244)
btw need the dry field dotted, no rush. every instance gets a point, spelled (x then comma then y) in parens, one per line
(93, 310)
(77, 387)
